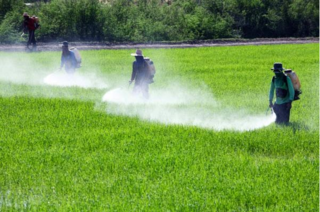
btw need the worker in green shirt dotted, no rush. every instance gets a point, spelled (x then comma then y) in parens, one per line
(284, 94)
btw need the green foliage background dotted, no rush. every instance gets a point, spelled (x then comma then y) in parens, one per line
(159, 20)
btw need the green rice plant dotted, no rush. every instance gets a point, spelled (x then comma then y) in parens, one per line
(60, 150)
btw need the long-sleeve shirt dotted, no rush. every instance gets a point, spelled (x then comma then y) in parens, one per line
(69, 61)
(139, 71)
(279, 83)
(29, 24)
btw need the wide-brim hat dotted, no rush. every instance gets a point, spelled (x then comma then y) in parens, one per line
(277, 67)
(138, 53)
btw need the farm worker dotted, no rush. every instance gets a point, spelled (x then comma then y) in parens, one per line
(68, 59)
(140, 74)
(284, 94)
(30, 25)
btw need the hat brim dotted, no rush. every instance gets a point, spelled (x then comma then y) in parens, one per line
(134, 54)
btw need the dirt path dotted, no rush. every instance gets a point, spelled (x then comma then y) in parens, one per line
(99, 45)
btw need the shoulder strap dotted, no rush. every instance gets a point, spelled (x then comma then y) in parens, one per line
(273, 78)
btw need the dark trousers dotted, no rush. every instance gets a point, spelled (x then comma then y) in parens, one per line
(282, 112)
(141, 88)
(70, 70)
(31, 39)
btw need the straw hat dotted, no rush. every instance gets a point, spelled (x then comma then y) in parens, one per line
(138, 53)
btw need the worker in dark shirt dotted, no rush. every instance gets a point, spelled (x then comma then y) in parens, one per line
(284, 94)
(140, 75)
(30, 25)
(68, 59)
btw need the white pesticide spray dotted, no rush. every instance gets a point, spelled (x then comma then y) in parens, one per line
(171, 95)
(174, 104)
(183, 106)
(20, 70)
(62, 79)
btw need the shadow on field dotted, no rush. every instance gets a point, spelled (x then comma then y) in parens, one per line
(298, 126)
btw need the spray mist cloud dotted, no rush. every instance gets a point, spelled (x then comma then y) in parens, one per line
(62, 79)
(172, 105)
(21, 70)
(188, 107)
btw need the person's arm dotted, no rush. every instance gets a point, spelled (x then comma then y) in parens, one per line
(62, 61)
(290, 88)
(271, 93)
(25, 26)
(134, 72)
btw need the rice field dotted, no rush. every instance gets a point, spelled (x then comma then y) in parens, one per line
(205, 140)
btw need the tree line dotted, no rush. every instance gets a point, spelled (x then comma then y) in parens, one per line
(160, 20)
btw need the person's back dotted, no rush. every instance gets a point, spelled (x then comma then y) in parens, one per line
(140, 75)
(141, 69)
(68, 59)
(30, 22)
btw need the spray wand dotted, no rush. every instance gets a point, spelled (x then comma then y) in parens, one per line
(130, 82)
(269, 108)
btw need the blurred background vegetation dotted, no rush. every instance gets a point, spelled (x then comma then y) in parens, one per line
(160, 20)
